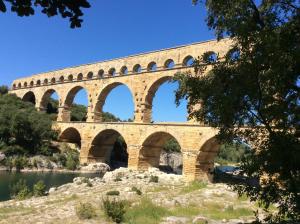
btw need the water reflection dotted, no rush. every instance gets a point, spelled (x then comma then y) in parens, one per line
(50, 179)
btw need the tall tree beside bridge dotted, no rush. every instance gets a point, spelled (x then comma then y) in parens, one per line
(256, 85)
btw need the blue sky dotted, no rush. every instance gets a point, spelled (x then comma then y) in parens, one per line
(111, 29)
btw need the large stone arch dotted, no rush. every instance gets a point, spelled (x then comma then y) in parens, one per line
(29, 97)
(102, 146)
(205, 158)
(70, 135)
(98, 110)
(68, 101)
(151, 148)
(198, 164)
(46, 98)
(149, 95)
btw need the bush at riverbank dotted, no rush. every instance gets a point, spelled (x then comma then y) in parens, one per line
(65, 158)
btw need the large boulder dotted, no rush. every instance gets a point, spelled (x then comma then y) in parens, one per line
(101, 168)
(2, 156)
(42, 163)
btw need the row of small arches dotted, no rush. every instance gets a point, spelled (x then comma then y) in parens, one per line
(152, 66)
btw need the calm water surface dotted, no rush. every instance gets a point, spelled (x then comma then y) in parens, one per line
(50, 179)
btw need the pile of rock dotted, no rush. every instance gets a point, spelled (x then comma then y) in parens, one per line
(142, 176)
(100, 168)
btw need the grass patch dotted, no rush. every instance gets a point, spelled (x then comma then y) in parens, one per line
(159, 189)
(62, 200)
(218, 212)
(146, 212)
(186, 211)
(271, 208)
(194, 186)
(211, 210)
(243, 197)
(11, 210)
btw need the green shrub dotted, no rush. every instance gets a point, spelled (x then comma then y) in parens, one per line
(72, 161)
(113, 193)
(35, 163)
(114, 210)
(11, 150)
(87, 181)
(20, 190)
(85, 211)
(20, 162)
(136, 190)
(9, 163)
(60, 158)
(118, 179)
(154, 179)
(39, 189)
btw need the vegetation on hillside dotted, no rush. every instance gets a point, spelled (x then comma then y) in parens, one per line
(171, 146)
(232, 154)
(257, 85)
(23, 130)
(78, 112)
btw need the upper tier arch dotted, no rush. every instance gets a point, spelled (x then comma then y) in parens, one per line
(178, 54)
(97, 80)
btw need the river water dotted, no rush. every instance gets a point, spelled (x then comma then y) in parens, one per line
(50, 179)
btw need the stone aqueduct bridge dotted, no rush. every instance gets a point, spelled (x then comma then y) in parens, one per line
(142, 74)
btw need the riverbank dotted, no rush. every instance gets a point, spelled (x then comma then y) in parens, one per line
(27, 170)
(168, 197)
(6, 169)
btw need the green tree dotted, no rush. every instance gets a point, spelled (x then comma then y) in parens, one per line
(108, 117)
(20, 190)
(39, 189)
(172, 146)
(256, 85)
(23, 130)
(67, 9)
(3, 90)
(78, 112)
(232, 153)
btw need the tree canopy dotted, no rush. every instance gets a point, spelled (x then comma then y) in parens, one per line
(23, 130)
(252, 94)
(66, 8)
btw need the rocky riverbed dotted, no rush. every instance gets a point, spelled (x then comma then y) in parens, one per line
(181, 202)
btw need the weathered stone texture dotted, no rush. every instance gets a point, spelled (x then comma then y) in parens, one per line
(144, 139)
